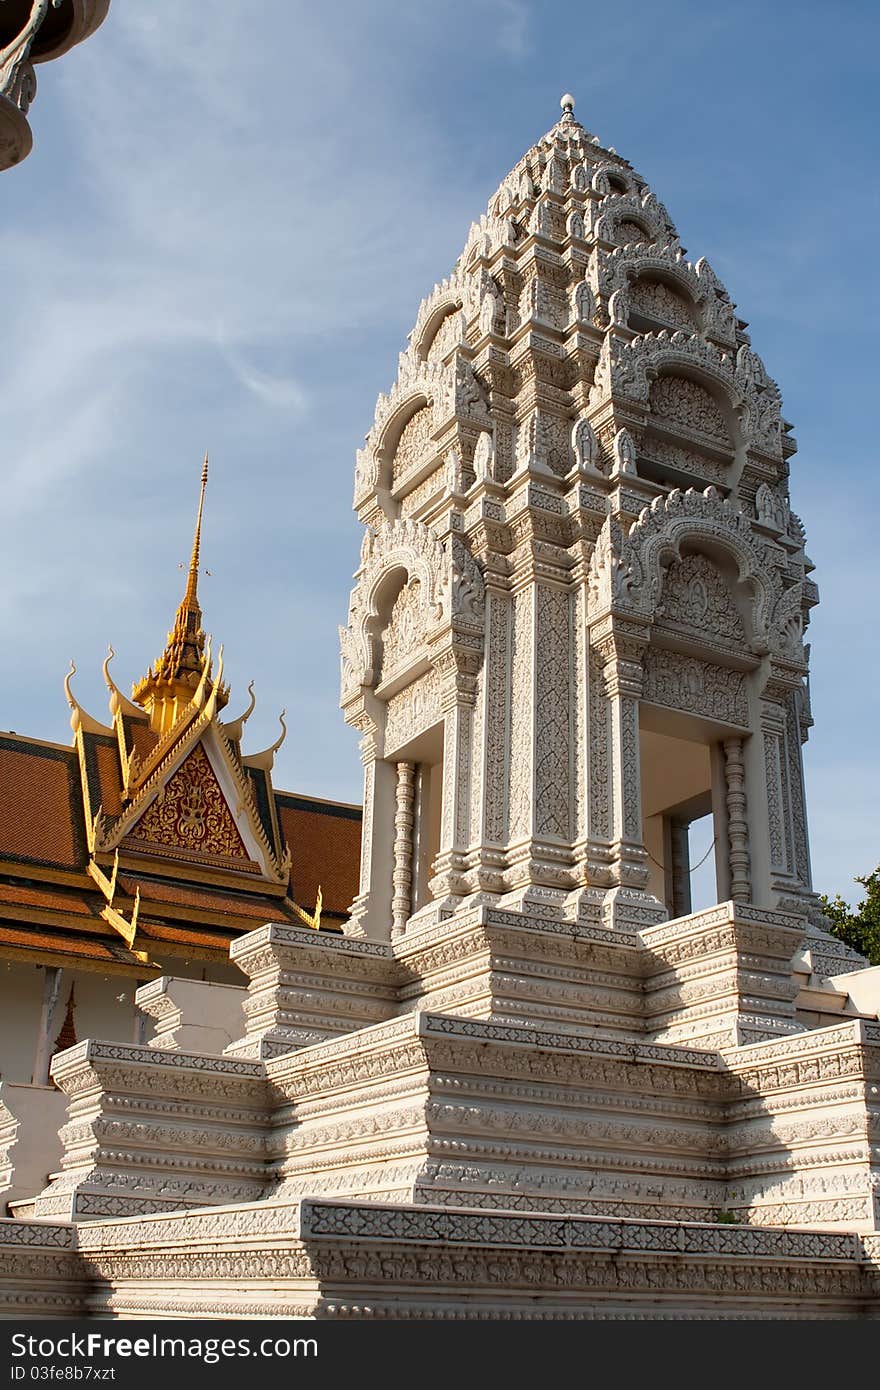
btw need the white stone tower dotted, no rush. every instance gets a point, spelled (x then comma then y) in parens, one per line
(578, 619)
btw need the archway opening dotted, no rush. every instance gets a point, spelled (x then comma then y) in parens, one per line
(683, 810)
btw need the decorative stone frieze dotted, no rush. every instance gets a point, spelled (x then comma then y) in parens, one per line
(331, 1259)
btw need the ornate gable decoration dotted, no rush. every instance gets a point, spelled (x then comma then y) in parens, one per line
(192, 814)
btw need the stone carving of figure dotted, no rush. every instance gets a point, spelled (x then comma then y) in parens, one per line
(618, 308)
(483, 454)
(698, 601)
(772, 510)
(452, 472)
(14, 57)
(624, 450)
(584, 304)
(583, 442)
(489, 306)
(468, 592)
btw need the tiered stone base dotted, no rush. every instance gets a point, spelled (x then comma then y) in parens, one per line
(353, 1260)
(565, 1121)
(434, 1109)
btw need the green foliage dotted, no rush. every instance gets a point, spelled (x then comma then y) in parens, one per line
(859, 929)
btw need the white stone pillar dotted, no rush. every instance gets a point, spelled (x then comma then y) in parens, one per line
(370, 913)
(622, 690)
(737, 823)
(496, 721)
(457, 704)
(401, 906)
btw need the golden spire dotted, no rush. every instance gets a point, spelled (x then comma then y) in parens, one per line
(191, 596)
(166, 690)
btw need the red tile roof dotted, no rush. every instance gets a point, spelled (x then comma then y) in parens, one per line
(325, 845)
(40, 804)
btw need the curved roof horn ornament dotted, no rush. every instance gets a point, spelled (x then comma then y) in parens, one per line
(266, 759)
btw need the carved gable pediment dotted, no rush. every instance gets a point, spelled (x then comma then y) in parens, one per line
(191, 813)
(198, 805)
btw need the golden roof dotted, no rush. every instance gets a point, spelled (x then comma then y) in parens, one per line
(168, 687)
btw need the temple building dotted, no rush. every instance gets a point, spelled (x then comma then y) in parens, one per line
(145, 849)
(526, 1079)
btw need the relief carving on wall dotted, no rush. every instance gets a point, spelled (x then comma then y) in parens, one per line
(414, 443)
(695, 598)
(696, 687)
(655, 300)
(553, 716)
(404, 630)
(412, 711)
(684, 402)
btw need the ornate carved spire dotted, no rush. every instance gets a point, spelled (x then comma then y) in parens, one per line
(164, 692)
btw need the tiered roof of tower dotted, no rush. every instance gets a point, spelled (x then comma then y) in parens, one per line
(577, 267)
(155, 835)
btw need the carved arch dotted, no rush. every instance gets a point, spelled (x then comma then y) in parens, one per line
(628, 368)
(626, 263)
(604, 177)
(450, 308)
(707, 522)
(647, 212)
(410, 405)
(400, 547)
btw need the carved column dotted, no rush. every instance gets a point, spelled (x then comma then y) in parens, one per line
(521, 772)
(737, 824)
(401, 906)
(800, 848)
(457, 704)
(785, 868)
(370, 913)
(621, 646)
(540, 822)
(491, 784)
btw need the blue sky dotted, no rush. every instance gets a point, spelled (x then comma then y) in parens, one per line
(221, 240)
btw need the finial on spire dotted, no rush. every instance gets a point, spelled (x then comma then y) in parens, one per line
(192, 582)
(567, 104)
(184, 667)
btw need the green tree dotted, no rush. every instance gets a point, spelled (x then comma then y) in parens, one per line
(859, 929)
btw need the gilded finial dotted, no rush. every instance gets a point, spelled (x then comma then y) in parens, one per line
(184, 668)
(193, 579)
